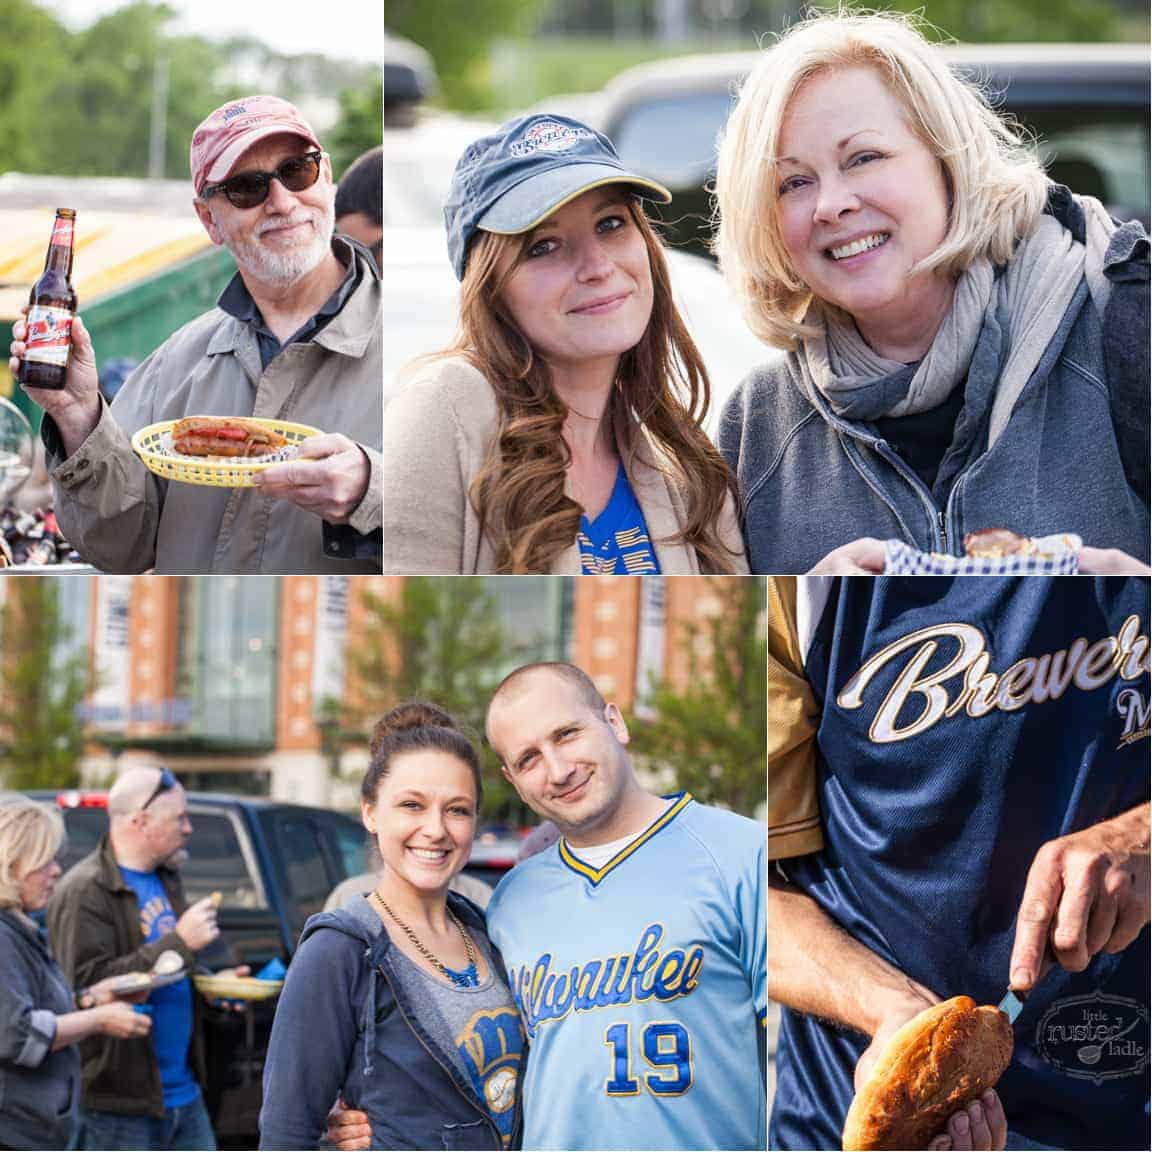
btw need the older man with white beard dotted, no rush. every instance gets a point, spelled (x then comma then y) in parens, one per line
(296, 336)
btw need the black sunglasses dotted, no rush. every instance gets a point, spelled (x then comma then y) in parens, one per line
(165, 784)
(248, 189)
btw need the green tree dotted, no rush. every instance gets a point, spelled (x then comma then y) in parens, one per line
(712, 734)
(32, 55)
(100, 120)
(41, 733)
(443, 641)
(983, 20)
(360, 125)
(458, 35)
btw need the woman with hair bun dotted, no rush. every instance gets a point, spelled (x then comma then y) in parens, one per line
(397, 1003)
(966, 341)
(562, 431)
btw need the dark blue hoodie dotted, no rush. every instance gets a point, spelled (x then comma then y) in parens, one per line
(39, 1087)
(344, 1027)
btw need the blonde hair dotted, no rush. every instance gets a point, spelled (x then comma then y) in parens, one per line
(997, 188)
(661, 385)
(30, 836)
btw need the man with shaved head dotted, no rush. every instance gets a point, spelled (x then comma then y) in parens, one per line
(634, 944)
(115, 912)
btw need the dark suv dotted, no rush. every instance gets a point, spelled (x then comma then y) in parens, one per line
(1088, 104)
(274, 865)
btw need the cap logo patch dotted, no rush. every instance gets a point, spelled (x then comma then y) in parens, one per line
(234, 111)
(549, 136)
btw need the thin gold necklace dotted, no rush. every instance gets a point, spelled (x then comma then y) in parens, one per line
(469, 977)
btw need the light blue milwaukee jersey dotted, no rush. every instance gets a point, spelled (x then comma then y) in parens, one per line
(642, 986)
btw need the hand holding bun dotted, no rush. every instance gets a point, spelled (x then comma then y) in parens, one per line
(935, 1064)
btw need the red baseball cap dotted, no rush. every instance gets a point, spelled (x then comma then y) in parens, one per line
(233, 128)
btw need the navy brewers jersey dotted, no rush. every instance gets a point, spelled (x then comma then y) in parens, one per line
(963, 723)
(641, 985)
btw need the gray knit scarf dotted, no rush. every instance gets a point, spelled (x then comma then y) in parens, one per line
(1034, 292)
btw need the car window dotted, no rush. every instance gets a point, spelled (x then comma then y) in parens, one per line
(1096, 152)
(306, 875)
(673, 139)
(351, 843)
(219, 862)
(83, 828)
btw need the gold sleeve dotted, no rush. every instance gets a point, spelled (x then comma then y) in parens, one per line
(793, 810)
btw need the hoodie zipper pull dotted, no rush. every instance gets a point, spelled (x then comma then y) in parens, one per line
(943, 532)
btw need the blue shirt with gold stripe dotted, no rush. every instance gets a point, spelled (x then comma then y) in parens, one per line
(641, 984)
(616, 542)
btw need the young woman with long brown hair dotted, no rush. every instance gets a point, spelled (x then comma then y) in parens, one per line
(561, 431)
(396, 1003)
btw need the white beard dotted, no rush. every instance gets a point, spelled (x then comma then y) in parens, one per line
(283, 267)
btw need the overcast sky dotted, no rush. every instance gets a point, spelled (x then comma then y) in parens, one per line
(348, 29)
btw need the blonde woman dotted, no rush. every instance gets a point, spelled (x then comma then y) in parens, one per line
(40, 1025)
(967, 342)
(562, 430)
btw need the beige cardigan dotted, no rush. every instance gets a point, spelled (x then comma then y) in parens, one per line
(438, 427)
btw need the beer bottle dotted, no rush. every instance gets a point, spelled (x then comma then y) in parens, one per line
(52, 304)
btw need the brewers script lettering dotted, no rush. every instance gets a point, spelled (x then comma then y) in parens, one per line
(1082, 665)
(543, 995)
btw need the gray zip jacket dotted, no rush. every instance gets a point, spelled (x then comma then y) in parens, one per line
(39, 1088)
(1073, 457)
(122, 518)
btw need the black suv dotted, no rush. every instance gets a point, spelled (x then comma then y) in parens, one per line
(1087, 103)
(274, 865)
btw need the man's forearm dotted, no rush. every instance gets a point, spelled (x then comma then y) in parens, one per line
(815, 967)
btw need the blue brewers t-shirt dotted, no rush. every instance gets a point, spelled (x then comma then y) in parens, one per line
(171, 1006)
(616, 542)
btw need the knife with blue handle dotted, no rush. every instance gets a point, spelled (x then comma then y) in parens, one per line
(1012, 1004)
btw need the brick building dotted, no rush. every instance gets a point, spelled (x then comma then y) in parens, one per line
(227, 677)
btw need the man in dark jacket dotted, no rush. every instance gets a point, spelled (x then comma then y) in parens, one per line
(116, 912)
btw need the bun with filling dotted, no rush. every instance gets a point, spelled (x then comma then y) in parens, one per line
(943, 1058)
(221, 436)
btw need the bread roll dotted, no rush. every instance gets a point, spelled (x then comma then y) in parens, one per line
(940, 1060)
(218, 436)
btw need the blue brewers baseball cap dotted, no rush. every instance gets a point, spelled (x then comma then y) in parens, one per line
(511, 180)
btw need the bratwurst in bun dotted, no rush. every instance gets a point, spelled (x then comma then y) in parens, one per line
(943, 1058)
(224, 436)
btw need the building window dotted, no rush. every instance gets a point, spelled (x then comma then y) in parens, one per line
(537, 613)
(229, 642)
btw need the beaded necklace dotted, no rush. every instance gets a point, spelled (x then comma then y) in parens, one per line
(467, 977)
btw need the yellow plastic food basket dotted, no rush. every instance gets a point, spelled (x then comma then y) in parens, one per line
(153, 446)
(237, 987)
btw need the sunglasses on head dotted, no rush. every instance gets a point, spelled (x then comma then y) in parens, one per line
(249, 189)
(165, 784)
